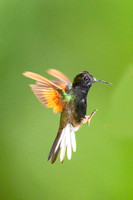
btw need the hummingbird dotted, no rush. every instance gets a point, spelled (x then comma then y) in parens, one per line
(68, 99)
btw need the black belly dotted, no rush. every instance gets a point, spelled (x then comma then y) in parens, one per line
(79, 104)
(80, 109)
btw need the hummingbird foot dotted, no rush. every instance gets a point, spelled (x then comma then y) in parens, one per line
(88, 118)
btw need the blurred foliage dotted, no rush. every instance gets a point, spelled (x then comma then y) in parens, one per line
(70, 36)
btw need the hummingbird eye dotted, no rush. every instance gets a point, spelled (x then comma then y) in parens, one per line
(86, 78)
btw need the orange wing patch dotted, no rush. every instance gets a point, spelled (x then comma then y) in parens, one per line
(49, 96)
(53, 99)
(47, 91)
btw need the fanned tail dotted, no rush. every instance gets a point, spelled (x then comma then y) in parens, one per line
(66, 141)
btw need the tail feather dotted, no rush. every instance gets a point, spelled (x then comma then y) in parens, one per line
(54, 156)
(68, 144)
(52, 150)
(73, 139)
(63, 149)
(65, 140)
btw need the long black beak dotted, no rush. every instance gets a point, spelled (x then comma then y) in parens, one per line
(96, 80)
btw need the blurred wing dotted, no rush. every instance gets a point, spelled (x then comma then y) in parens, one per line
(61, 77)
(49, 93)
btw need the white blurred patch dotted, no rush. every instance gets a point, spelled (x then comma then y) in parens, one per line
(67, 141)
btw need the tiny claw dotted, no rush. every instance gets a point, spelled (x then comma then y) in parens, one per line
(88, 118)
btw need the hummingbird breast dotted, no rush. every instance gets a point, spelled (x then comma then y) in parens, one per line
(75, 110)
(79, 106)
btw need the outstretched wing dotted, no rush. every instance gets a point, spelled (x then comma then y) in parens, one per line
(60, 76)
(50, 93)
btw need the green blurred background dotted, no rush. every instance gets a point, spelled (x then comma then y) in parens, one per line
(70, 36)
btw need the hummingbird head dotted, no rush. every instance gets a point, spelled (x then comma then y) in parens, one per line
(85, 79)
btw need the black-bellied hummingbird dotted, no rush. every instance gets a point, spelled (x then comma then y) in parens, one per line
(69, 99)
